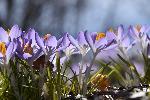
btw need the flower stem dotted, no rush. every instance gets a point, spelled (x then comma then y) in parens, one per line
(80, 72)
(87, 74)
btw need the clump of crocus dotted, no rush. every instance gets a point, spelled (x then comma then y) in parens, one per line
(52, 68)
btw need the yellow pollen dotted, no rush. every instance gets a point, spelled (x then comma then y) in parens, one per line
(138, 27)
(100, 36)
(28, 49)
(3, 48)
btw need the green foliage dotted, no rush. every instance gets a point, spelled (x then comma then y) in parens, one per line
(19, 81)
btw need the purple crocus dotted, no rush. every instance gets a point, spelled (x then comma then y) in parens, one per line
(80, 43)
(123, 42)
(120, 36)
(27, 48)
(98, 41)
(64, 45)
(48, 45)
(140, 38)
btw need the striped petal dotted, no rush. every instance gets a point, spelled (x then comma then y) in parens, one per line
(51, 41)
(89, 41)
(102, 42)
(10, 51)
(3, 36)
(81, 38)
(15, 32)
(73, 41)
(120, 32)
(40, 43)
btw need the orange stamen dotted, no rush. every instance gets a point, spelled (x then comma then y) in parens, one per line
(28, 49)
(100, 36)
(3, 48)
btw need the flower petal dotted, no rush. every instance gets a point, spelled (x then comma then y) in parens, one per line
(133, 32)
(65, 40)
(26, 55)
(51, 41)
(31, 36)
(102, 42)
(40, 43)
(3, 36)
(145, 29)
(110, 36)
(111, 47)
(126, 41)
(120, 32)
(81, 38)
(73, 41)
(36, 54)
(15, 32)
(89, 41)
(59, 42)
(93, 36)
(10, 51)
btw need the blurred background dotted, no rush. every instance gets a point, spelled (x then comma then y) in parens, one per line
(58, 16)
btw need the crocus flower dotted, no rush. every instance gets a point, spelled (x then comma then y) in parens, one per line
(121, 44)
(65, 46)
(98, 41)
(80, 43)
(140, 37)
(66, 50)
(27, 48)
(48, 45)
(121, 37)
